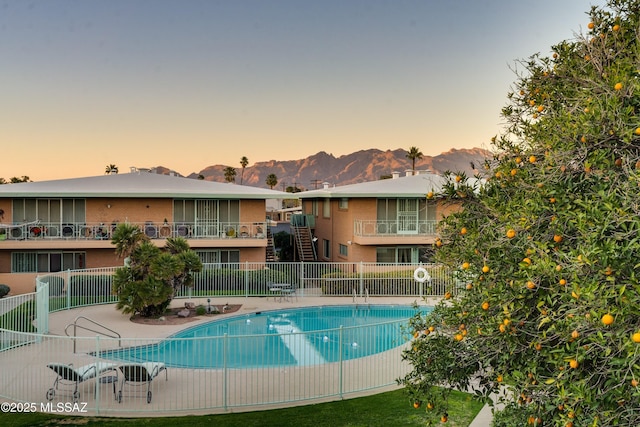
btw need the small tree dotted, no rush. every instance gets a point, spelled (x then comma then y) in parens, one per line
(152, 276)
(547, 250)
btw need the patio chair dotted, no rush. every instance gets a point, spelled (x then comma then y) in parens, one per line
(288, 292)
(67, 375)
(140, 374)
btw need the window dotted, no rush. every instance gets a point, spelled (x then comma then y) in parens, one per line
(326, 248)
(343, 203)
(49, 211)
(219, 256)
(46, 262)
(314, 208)
(326, 208)
(398, 255)
(344, 250)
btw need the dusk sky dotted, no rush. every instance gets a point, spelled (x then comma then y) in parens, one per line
(188, 84)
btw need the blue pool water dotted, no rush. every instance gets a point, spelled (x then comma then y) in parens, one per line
(292, 337)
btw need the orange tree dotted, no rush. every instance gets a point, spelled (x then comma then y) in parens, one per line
(547, 317)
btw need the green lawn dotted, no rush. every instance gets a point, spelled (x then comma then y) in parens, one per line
(385, 409)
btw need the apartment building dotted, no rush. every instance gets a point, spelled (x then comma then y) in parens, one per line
(67, 224)
(389, 220)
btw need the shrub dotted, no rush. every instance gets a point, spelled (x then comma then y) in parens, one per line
(4, 290)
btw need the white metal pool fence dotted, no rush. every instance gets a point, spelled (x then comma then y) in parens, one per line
(74, 288)
(26, 348)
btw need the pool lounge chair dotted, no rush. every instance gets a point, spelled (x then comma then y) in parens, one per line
(139, 374)
(70, 376)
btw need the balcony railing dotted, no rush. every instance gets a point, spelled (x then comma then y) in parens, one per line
(376, 228)
(162, 230)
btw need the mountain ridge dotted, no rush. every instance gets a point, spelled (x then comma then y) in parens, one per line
(360, 166)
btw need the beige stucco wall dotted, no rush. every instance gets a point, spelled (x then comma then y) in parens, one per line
(19, 283)
(112, 210)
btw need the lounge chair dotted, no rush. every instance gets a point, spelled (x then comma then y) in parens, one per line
(68, 375)
(140, 374)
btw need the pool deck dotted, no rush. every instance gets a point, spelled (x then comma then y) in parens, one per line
(108, 316)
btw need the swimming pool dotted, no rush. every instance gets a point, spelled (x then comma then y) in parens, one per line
(291, 337)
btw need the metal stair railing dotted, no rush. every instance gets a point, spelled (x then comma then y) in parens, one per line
(76, 326)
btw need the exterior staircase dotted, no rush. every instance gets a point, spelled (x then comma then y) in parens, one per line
(305, 249)
(270, 251)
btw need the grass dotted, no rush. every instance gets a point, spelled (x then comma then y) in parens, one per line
(386, 409)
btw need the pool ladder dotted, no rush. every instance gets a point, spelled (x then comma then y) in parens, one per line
(366, 295)
(75, 325)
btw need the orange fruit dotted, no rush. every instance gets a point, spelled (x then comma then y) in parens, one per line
(532, 159)
(634, 382)
(562, 282)
(616, 27)
(417, 404)
(538, 346)
(557, 238)
(637, 131)
(511, 233)
(531, 285)
(502, 328)
(552, 200)
(465, 265)
(485, 269)
(463, 231)
(575, 334)
(444, 419)
(429, 405)
(636, 337)
(485, 305)
(607, 319)
(527, 261)
(458, 337)
(540, 108)
(438, 242)
(430, 195)
(519, 159)
(469, 286)
(458, 178)
(573, 363)
(590, 25)
(499, 378)
(447, 295)
(618, 86)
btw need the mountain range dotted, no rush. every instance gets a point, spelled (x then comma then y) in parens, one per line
(361, 166)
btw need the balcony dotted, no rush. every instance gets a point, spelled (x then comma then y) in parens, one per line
(377, 232)
(95, 232)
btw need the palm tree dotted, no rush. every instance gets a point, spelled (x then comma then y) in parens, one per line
(272, 180)
(230, 174)
(243, 162)
(413, 154)
(126, 237)
(110, 169)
